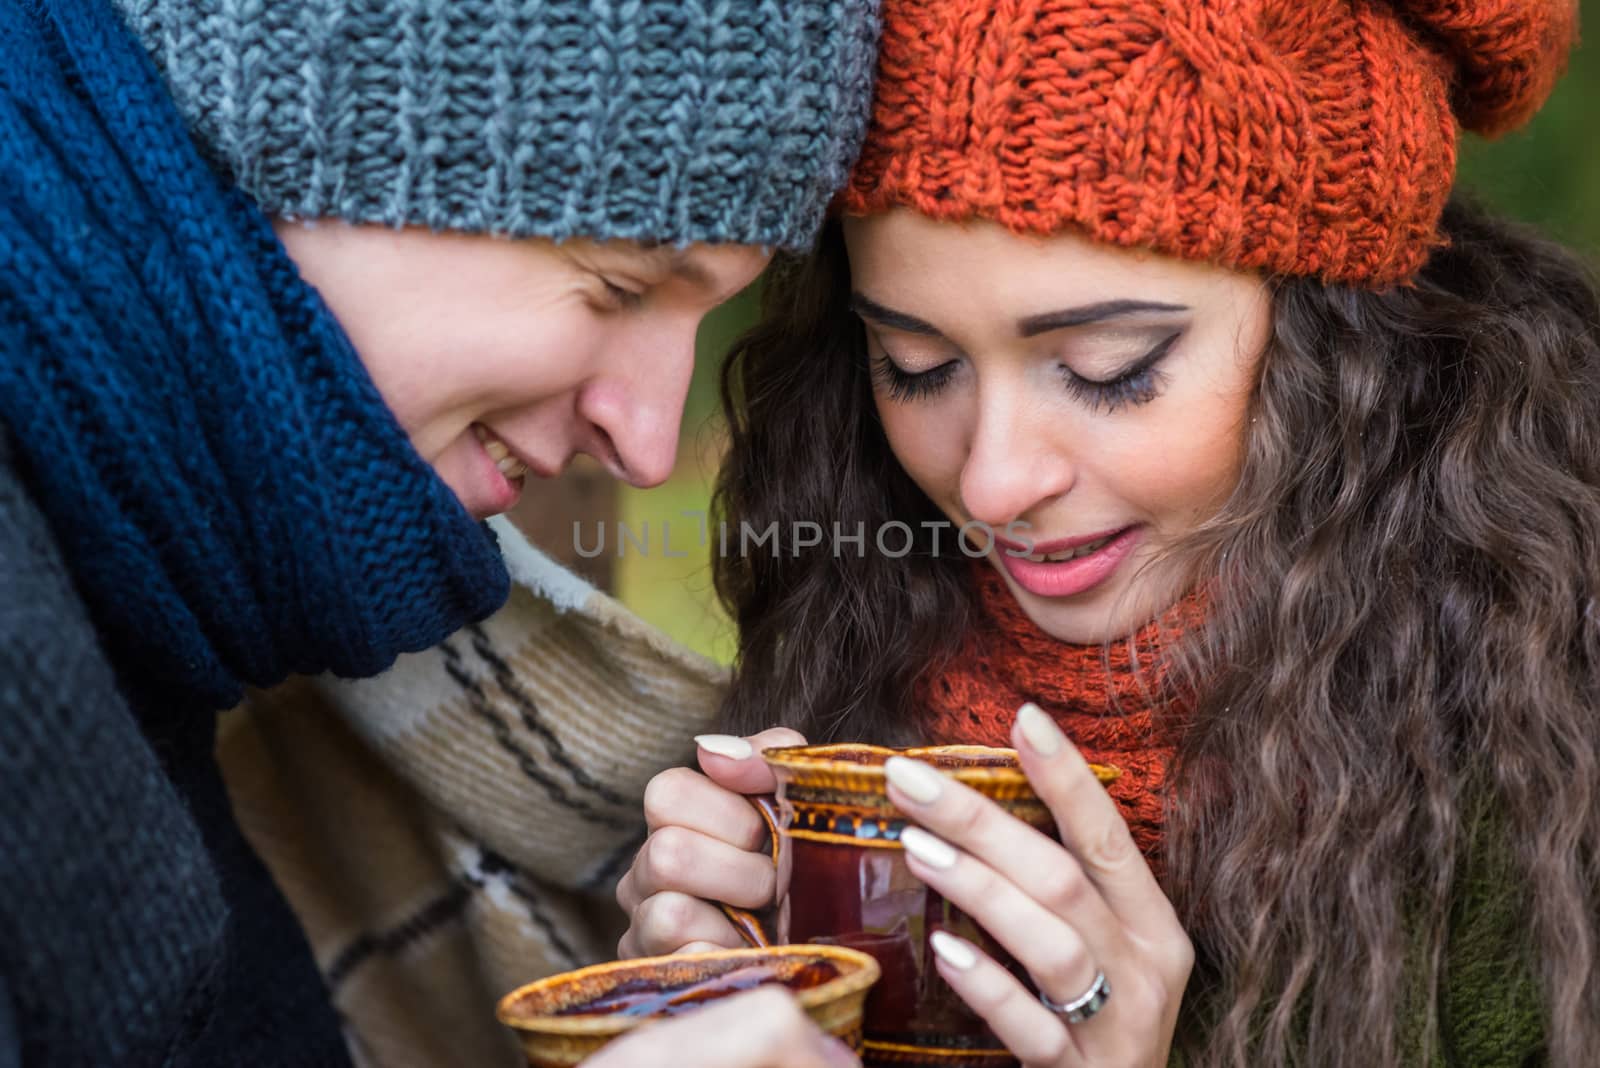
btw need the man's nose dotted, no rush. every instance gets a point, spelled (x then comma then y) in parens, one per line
(635, 411)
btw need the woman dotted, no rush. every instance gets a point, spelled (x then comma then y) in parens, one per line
(213, 474)
(1283, 483)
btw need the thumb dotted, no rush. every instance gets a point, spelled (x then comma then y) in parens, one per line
(764, 1028)
(735, 763)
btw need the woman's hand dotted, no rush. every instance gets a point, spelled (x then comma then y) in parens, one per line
(1068, 912)
(705, 845)
(762, 1029)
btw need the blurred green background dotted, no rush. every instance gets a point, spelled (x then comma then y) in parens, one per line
(1547, 174)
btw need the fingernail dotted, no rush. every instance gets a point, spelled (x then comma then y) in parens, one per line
(952, 950)
(916, 780)
(1041, 732)
(932, 850)
(836, 1053)
(725, 745)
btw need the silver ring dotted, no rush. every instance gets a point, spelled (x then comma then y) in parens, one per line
(1081, 1008)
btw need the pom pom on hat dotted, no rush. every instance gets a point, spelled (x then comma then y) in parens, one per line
(1508, 54)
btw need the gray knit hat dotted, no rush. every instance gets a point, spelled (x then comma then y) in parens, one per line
(661, 120)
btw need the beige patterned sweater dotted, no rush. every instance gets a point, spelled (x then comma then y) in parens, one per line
(455, 827)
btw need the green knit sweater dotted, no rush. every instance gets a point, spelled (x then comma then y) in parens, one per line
(1490, 1007)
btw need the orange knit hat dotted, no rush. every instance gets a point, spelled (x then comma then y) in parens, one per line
(1308, 137)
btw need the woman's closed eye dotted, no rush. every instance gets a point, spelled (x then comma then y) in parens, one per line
(1136, 383)
(1140, 382)
(903, 385)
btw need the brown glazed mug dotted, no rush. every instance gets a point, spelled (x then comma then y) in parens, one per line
(834, 829)
(564, 1019)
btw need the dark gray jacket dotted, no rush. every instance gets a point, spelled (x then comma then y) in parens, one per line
(136, 926)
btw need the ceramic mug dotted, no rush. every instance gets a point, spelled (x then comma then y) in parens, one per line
(563, 1019)
(834, 829)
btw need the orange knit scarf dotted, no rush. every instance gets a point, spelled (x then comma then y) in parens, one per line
(1111, 703)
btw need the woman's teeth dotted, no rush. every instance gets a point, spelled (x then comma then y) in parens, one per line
(1073, 554)
(509, 465)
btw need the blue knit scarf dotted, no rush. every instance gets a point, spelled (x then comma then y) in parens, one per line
(233, 498)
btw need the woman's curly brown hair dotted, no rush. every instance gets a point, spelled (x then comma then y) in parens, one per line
(1403, 642)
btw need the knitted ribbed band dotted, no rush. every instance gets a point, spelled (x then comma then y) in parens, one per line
(660, 120)
(1308, 137)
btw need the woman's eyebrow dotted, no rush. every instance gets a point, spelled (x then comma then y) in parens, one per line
(1034, 325)
(871, 309)
(1031, 326)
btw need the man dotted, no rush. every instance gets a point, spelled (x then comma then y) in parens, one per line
(511, 215)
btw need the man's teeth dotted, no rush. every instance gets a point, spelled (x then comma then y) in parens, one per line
(1073, 554)
(509, 465)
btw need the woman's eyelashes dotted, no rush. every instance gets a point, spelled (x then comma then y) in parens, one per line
(1138, 383)
(904, 385)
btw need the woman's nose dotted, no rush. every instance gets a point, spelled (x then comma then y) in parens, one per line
(1011, 467)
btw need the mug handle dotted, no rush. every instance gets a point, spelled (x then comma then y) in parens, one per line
(747, 923)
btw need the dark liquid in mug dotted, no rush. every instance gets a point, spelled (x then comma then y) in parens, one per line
(645, 997)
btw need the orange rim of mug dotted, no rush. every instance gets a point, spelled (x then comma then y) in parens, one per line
(858, 769)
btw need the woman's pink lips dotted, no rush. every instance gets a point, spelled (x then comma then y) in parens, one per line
(1070, 577)
(1035, 548)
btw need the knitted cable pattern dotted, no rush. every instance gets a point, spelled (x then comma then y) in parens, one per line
(1291, 137)
(234, 499)
(659, 120)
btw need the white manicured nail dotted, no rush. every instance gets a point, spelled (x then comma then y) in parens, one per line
(932, 850)
(916, 780)
(1039, 729)
(725, 745)
(952, 950)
